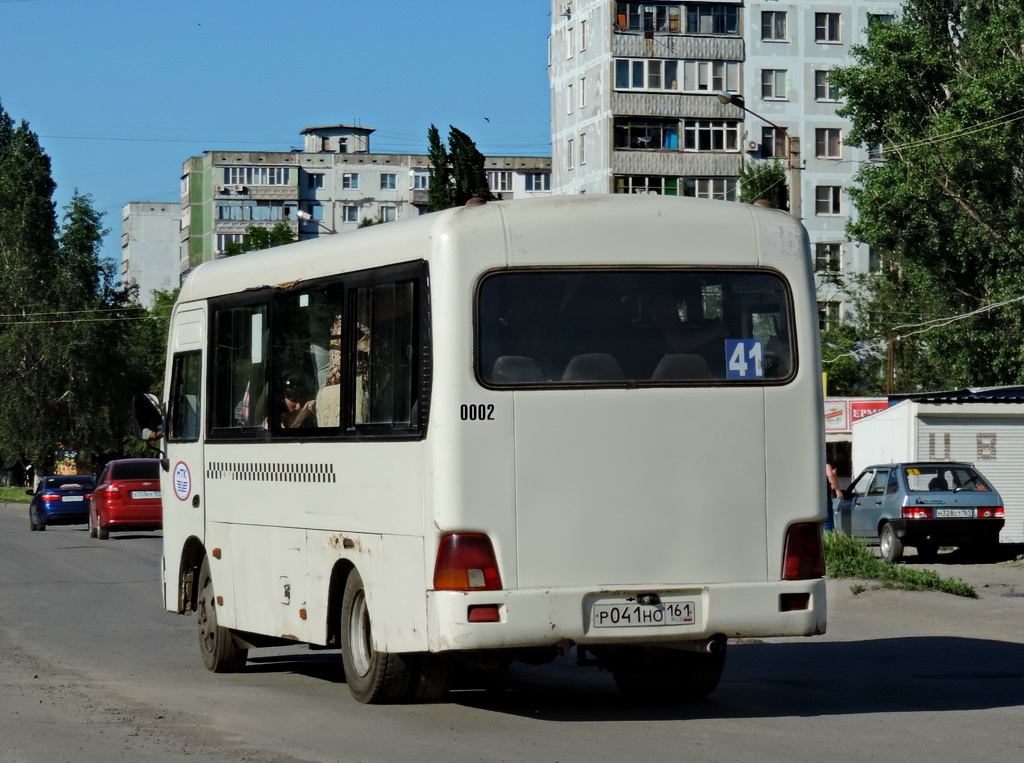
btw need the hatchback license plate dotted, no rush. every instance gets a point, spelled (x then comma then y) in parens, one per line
(633, 615)
(954, 513)
(138, 495)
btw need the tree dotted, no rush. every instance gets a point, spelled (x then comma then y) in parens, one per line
(440, 194)
(457, 172)
(258, 237)
(764, 180)
(939, 91)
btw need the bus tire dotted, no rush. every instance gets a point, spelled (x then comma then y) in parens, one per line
(432, 678)
(220, 652)
(373, 677)
(889, 546)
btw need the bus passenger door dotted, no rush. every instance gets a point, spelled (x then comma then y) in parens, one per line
(183, 493)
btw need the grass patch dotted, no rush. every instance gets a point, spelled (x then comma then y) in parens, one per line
(14, 494)
(849, 558)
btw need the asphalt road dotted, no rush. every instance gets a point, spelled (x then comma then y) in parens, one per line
(92, 669)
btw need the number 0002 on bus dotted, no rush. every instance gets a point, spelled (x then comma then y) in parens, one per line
(634, 615)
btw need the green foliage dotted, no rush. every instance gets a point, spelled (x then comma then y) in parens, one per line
(258, 237)
(849, 558)
(853, 369)
(366, 222)
(13, 494)
(457, 172)
(764, 180)
(69, 341)
(939, 91)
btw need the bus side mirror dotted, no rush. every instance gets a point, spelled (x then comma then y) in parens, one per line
(148, 424)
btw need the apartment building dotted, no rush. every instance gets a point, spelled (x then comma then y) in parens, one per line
(635, 107)
(149, 247)
(332, 185)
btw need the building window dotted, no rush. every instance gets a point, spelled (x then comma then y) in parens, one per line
(569, 42)
(315, 180)
(773, 26)
(823, 90)
(874, 260)
(538, 181)
(828, 257)
(646, 134)
(655, 184)
(570, 147)
(254, 210)
(568, 98)
(388, 181)
(350, 181)
(583, 35)
(388, 212)
(711, 135)
(420, 181)
(773, 84)
(773, 143)
(722, 189)
(583, 148)
(223, 239)
(583, 92)
(828, 315)
(649, 17)
(499, 181)
(828, 143)
(874, 19)
(828, 200)
(712, 19)
(257, 176)
(826, 27)
(350, 213)
(662, 75)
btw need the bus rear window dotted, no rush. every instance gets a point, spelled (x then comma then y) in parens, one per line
(633, 328)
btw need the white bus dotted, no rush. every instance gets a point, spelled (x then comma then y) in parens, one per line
(498, 432)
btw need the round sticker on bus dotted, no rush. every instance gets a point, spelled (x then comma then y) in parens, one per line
(182, 481)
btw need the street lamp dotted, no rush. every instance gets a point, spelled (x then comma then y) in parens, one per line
(307, 217)
(792, 149)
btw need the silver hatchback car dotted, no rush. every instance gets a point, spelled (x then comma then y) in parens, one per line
(921, 504)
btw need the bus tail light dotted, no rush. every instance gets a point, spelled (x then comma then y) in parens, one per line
(916, 512)
(805, 553)
(466, 562)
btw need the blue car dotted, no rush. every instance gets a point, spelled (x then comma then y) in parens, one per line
(60, 500)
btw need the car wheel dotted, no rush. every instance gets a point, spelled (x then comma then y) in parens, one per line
(220, 652)
(927, 552)
(92, 527)
(32, 521)
(102, 530)
(890, 546)
(373, 677)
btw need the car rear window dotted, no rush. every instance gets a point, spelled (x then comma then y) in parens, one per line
(136, 470)
(74, 482)
(942, 478)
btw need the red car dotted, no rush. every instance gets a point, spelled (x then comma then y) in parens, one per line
(127, 497)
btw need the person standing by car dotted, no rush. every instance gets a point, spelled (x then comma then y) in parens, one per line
(832, 490)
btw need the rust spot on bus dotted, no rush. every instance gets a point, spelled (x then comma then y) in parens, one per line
(341, 542)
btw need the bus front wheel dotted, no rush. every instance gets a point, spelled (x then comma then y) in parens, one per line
(373, 677)
(220, 652)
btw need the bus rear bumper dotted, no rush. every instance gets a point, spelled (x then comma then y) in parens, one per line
(624, 615)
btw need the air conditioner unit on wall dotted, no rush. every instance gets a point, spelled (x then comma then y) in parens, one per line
(566, 9)
(752, 145)
(239, 188)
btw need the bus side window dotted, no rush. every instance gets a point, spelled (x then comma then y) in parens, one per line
(185, 399)
(386, 357)
(239, 375)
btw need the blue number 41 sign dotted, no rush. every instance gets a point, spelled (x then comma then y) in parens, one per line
(744, 359)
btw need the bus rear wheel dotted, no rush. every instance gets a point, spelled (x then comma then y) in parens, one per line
(373, 677)
(220, 652)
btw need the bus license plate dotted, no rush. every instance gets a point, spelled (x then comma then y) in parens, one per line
(138, 495)
(954, 513)
(633, 615)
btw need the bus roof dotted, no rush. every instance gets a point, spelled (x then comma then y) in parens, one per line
(632, 229)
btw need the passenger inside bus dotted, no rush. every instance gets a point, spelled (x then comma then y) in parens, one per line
(298, 405)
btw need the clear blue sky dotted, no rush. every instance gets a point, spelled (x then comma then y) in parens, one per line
(121, 92)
